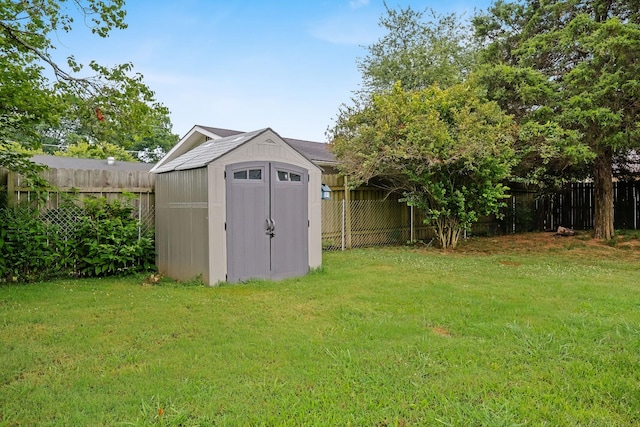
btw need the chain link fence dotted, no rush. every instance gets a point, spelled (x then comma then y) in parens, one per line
(360, 223)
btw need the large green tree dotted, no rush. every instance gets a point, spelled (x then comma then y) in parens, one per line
(420, 127)
(569, 71)
(418, 49)
(41, 98)
(447, 150)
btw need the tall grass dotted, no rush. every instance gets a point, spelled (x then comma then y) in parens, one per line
(378, 337)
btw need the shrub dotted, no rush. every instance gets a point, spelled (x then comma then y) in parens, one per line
(27, 246)
(101, 238)
(109, 240)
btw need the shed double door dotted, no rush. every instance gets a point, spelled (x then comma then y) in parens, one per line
(267, 221)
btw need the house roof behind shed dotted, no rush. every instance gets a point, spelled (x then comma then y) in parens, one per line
(62, 162)
(317, 152)
(221, 132)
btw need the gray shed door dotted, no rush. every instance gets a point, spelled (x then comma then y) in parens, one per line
(267, 221)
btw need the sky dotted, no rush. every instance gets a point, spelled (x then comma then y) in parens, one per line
(247, 64)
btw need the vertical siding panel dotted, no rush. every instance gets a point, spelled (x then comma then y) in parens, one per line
(181, 219)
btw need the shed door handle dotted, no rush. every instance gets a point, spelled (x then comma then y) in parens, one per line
(271, 226)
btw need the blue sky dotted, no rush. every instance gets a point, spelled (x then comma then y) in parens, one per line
(248, 64)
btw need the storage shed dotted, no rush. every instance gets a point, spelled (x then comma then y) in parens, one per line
(237, 207)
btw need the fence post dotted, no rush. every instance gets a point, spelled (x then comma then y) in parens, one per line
(412, 227)
(347, 213)
(139, 216)
(635, 206)
(513, 214)
(342, 223)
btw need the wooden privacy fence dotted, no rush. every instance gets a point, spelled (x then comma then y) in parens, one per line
(110, 184)
(572, 207)
(366, 216)
(75, 185)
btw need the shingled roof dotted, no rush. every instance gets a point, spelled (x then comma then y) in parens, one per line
(205, 153)
(317, 152)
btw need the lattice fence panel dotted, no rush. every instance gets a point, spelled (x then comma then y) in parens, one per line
(67, 218)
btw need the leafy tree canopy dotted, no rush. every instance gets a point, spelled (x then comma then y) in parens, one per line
(41, 100)
(420, 48)
(447, 150)
(568, 71)
(86, 150)
(421, 125)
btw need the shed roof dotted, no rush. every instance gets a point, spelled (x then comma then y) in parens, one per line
(317, 152)
(63, 162)
(209, 151)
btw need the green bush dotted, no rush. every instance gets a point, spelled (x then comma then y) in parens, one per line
(27, 246)
(108, 240)
(102, 238)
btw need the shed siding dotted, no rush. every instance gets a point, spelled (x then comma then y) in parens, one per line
(182, 224)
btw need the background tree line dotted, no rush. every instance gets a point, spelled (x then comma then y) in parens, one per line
(542, 92)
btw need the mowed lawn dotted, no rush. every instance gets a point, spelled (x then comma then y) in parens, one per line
(528, 330)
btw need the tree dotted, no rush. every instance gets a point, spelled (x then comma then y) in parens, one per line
(152, 148)
(447, 150)
(582, 56)
(86, 150)
(111, 105)
(418, 49)
(149, 135)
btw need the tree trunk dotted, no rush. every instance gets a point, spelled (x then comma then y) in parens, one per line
(448, 231)
(603, 196)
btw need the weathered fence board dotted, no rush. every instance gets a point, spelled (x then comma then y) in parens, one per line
(110, 184)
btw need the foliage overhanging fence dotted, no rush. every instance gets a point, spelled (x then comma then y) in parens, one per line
(92, 222)
(357, 223)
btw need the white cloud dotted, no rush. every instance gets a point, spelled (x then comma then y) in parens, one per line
(357, 4)
(347, 30)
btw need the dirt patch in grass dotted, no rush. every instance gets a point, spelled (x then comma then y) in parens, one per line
(511, 263)
(582, 244)
(439, 330)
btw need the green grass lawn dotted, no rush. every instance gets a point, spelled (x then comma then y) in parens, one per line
(498, 333)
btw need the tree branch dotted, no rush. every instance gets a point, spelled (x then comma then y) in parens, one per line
(58, 72)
